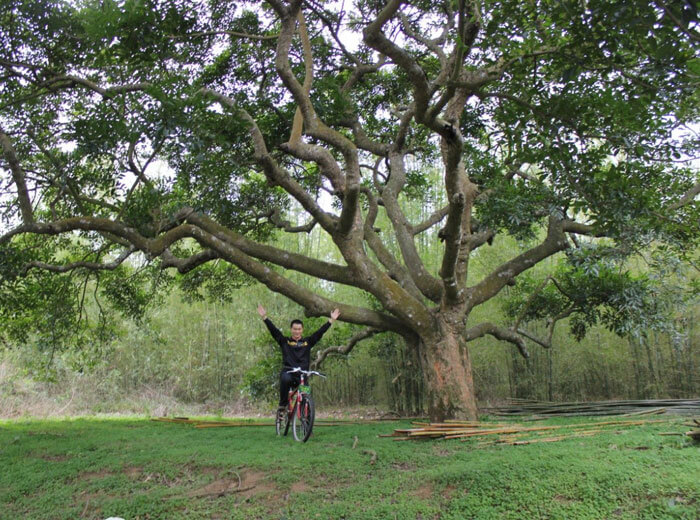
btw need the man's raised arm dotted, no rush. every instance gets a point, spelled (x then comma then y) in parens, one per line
(316, 336)
(274, 331)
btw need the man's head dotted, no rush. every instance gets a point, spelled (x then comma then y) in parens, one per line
(297, 329)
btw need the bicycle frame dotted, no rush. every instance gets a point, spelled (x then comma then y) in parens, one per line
(300, 408)
(295, 398)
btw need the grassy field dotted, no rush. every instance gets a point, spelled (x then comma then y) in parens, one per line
(140, 469)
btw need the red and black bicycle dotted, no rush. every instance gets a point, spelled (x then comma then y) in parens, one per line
(300, 409)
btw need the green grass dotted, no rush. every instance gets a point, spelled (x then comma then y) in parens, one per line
(138, 469)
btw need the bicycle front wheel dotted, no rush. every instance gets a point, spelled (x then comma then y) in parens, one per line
(303, 421)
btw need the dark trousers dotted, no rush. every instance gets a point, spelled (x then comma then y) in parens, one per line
(287, 381)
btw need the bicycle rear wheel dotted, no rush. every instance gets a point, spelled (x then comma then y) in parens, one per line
(288, 419)
(303, 421)
(279, 419)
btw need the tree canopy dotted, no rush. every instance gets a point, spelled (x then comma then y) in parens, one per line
(189, 131)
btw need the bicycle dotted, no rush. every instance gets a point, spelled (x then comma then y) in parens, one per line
(300, 408)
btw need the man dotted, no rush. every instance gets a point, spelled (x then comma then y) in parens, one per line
(296, 350)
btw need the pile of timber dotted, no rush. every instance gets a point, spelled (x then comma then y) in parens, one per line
(521, 407)
(509, 433)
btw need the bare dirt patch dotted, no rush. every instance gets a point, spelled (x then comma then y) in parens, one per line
(564, 500)
(259, 482)
(682, 500)
(92, 475)
(218, 488)
(133, 471)
(424, 492)
(300, 487)
(448, 492)
(245, 483)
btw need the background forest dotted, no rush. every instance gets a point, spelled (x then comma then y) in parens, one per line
(199, 346)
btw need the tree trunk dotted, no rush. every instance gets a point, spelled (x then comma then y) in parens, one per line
(447, 372)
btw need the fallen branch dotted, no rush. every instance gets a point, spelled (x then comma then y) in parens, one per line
(373, 454)
(222, 492)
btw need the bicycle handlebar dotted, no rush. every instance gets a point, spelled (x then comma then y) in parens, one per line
(305, 372)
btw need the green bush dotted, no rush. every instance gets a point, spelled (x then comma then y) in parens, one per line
(261, 381)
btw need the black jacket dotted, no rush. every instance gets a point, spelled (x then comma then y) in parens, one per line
(296, 353)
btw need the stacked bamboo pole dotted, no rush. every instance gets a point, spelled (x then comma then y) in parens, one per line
(521, 407)
(223, 424)
(510, 433)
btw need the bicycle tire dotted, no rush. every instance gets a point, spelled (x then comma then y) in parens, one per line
(303, 422)
(287, 422)
(278, 422)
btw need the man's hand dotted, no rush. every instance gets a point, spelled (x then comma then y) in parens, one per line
(262, 311)
(334, 315)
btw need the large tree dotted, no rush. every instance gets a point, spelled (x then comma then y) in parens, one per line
(191, 130)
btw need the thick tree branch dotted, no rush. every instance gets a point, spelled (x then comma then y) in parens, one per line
(687, 198)
(376, 39)
(25, 203)
(185, 265)
(453, 69)
(288, 260)
(92, 266)
(343, 350)
(578, 228)
(491, 285)
(350, 211)
(69, 81)
(276, 218)
(480, 238)
(533, 338)
(314, 304)
(313, 124)
(433, 219)
(362, 141)
(395, 270)
(323, 158)
(501, 333)
(428, 284)
(452, 233)
(298, 122)
(273, 171)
